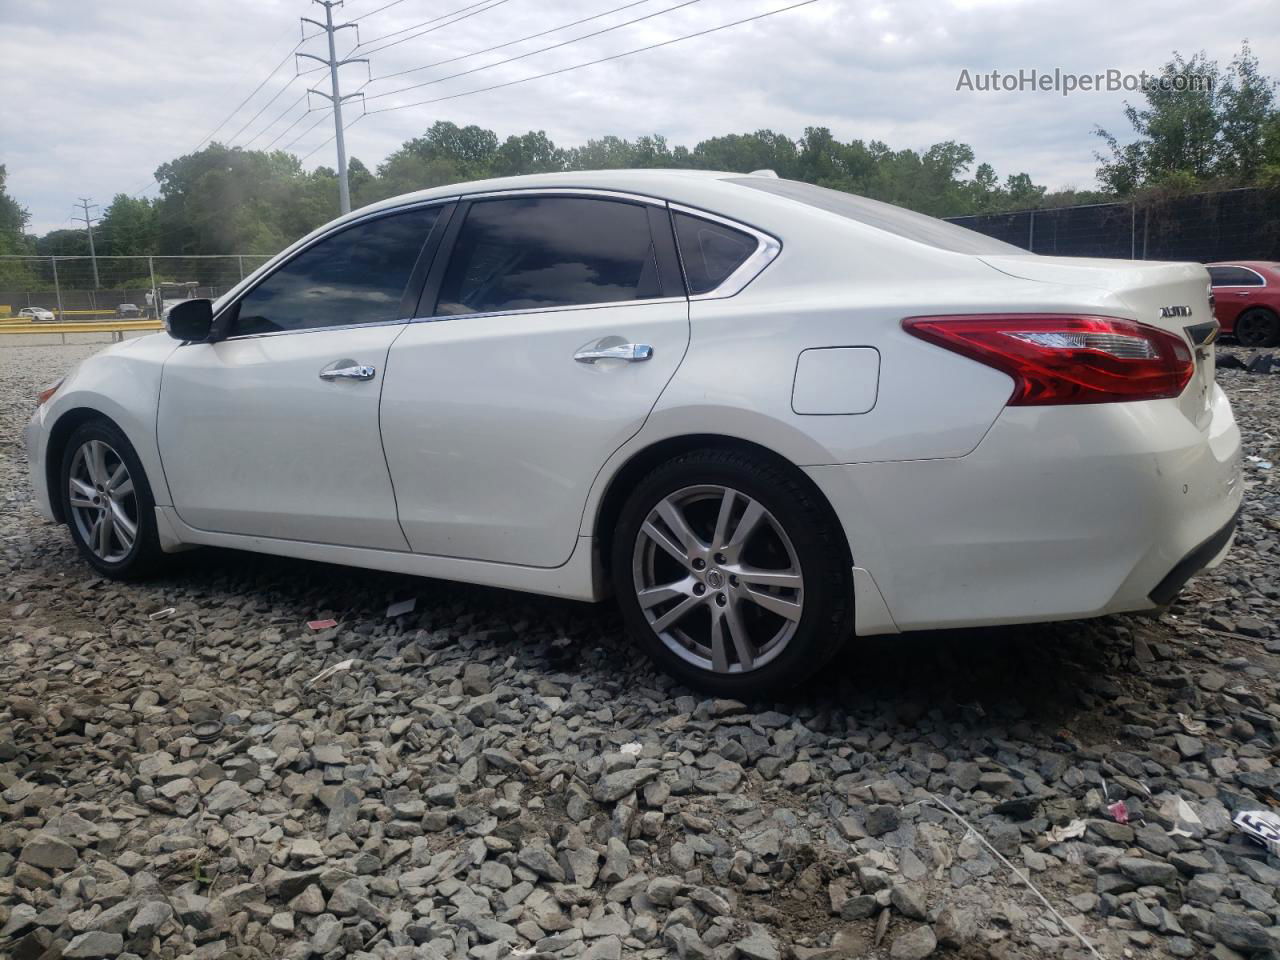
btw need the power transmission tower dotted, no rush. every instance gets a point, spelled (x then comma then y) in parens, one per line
(88, 225)
(335, 97)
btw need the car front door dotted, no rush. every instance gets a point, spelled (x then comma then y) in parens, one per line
(545, 338)
(273, 431)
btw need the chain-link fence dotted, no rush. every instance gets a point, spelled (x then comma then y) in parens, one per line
(89, 288)
(1239, 224)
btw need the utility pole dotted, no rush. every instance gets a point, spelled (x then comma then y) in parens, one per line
(88, 225)
(335, 96)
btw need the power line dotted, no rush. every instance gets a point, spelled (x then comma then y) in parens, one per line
(263, 109)
(415, 26)
(413, 36)
(227, 118)
(385, 6)
(500, 46)
(592, 63)
(280, 116)
(306, 131)
(522, 56)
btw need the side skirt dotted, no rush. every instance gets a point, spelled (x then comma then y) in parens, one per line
(580, 578)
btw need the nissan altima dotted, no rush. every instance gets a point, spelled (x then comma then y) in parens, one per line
(768, 417)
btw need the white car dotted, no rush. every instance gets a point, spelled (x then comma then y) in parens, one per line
(764, 414)
(36, 315)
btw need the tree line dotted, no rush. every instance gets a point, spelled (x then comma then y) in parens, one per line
(227, 200)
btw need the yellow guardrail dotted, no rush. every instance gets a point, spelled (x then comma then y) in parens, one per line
(118, 327)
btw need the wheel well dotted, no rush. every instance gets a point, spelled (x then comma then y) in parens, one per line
(644, 461)
(58, 437)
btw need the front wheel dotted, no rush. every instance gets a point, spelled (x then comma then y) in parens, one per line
(1258, 328)
(107, 502)
(731, 574)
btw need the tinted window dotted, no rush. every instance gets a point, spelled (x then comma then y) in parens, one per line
(530, 252)
(710, 251)
(1234, 277)
(355, 276)
(884, 216)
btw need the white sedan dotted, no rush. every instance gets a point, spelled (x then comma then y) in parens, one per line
(765, 415)
(37, 315)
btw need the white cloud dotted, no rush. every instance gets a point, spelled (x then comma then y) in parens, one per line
(96, 95)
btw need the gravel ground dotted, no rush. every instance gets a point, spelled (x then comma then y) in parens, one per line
(496, 775)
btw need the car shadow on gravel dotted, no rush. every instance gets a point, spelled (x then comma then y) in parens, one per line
(1045, 677)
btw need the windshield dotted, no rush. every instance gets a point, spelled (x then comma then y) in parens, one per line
(883, 216)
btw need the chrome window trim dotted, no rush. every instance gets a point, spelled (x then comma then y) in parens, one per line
(1240, 286)
(442, 317)
(767, 249)
(271, 267)
(588, 192)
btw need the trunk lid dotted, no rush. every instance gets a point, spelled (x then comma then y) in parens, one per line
(1171, 296)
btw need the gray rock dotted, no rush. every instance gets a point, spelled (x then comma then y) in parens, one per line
(49, 853)
(915, 944)
(94, 943)
(226, 795)
(614, 786)
(956, 926)
(881, 819)
(1148, 873)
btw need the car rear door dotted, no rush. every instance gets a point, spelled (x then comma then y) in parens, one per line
(544, 339)
(273, 431)
(1234, 290)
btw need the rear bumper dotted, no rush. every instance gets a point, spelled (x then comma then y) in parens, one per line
(1208, 554)
(1059, 513)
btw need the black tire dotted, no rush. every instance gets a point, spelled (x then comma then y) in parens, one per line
(1258, 327)
(826, 616)
(144, 556)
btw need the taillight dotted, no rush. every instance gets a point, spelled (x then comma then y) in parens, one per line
(1067, 359)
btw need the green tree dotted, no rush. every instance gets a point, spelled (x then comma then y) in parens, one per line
(14, 274)
(1201, 123)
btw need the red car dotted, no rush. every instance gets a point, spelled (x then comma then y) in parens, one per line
(1247, 300)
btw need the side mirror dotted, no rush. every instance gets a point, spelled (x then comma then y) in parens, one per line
(190, 320)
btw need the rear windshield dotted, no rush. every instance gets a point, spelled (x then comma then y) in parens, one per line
(883, 216)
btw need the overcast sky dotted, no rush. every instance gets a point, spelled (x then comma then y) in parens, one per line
(97, 94)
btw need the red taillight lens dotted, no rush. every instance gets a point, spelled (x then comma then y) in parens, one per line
(1059, 359)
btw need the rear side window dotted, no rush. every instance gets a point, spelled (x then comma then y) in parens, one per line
(710, 251)
(357, 275)
(1233, 277)
(538, 252)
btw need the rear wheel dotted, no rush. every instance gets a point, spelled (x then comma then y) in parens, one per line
(730, 573)
(1258, 327)
(107, 502)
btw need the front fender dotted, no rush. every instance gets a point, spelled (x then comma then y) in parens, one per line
(122, 385)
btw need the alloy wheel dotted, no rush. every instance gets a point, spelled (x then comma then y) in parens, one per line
(718, 579)
(104, 505)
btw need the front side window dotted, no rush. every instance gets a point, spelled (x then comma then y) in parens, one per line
(1233, 277)
(357, 275)
(711, 252)
(538, 252)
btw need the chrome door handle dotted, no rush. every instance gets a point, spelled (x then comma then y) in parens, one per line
(631, 352)
(347, 370)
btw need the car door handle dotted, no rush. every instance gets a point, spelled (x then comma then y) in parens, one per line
(630, 352)
(347, 370)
